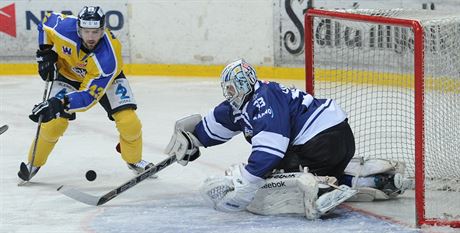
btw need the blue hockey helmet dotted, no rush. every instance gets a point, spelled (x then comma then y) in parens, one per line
(237, 81)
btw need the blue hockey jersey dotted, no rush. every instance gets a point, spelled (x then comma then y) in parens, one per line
(274, 118)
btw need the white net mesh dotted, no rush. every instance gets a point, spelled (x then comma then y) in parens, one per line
(369, 69)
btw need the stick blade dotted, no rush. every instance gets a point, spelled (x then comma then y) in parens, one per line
(3, 128)
(79, 195)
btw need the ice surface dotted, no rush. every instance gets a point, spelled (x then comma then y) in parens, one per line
(168, 204)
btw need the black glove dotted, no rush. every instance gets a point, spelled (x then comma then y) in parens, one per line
(46, 60)
(49, 110)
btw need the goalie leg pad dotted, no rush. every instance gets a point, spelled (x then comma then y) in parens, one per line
(392, 190)
(386, 177)
(330, 200)
(366, 194)
(362, 168)
(287, 193)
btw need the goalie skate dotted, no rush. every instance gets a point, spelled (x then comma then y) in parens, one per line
(387, 179)
(392, 185)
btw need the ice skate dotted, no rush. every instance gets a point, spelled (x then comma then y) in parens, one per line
(392, 184)
(140, 167)
(24, 174)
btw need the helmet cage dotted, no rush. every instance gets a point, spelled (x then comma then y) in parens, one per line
(238, 80)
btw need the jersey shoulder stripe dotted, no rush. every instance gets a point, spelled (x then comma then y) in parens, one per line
(268, 150)
(106, 56)
(270, 139)
(64, 26)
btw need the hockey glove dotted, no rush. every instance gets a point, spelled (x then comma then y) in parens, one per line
(46, 60)
(183, 144)
(230, 193)
(49, 110)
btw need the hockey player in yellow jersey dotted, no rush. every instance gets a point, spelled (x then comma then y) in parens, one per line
(87, 58)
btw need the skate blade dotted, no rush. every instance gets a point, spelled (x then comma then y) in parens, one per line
(23, 182)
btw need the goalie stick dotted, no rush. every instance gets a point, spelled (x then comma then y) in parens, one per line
(3, 129)
(97, 201)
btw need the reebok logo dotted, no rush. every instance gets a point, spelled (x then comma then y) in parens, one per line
(274, 185)
(8, 20)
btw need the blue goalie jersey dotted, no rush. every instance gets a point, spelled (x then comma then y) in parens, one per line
(274, 119)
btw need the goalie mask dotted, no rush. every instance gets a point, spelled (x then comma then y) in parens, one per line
(237, 82)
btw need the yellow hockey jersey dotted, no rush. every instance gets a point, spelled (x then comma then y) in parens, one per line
(95, 71)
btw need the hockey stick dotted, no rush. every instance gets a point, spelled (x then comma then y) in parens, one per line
(40, 119)
(46, 94)
(3, 129)
(97, 201)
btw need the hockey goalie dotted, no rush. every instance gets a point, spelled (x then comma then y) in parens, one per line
(300, 147)
(289, 130)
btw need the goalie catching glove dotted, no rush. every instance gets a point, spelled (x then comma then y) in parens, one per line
(231, 192)
(183, 144)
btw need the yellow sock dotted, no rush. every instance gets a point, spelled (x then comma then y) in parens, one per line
(48, 137)
(130, 128)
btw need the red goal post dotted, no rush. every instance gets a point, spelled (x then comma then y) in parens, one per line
(416, 45)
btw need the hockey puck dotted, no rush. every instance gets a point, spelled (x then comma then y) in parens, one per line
(91, 175)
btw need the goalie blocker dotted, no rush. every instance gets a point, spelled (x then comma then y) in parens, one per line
(183, 144)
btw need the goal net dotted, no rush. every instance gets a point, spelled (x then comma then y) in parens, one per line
(397, 75)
